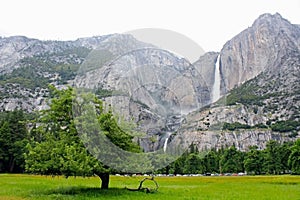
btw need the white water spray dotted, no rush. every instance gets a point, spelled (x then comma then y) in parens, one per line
(216, 93)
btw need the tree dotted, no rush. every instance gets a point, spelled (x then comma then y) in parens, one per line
(177, 167)
(60, 151)
(254, 160)
(294, 158)
(193, 164)
(272, 157)
(5, 145)
(231, 160)
(13, 139)
(211, 162)
(284, 153)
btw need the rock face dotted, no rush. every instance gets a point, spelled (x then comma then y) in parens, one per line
(255, 49)
(206, 68)
(151, 86)
(18, 97)
(242, 139)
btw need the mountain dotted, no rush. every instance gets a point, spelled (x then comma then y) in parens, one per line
(260, 69)
(27, 65)
(257, 48)
(253, 50)
(165, 94)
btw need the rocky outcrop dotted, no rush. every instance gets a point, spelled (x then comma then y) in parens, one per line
(14, 96)
(206, 129)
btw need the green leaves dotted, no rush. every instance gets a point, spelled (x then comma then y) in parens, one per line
(235, 125)
(60, 150)
(232, 161)
(285, 126)
(253, 162)
(294, 158)
(13, 139)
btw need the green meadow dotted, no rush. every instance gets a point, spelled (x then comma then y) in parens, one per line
(20, 186)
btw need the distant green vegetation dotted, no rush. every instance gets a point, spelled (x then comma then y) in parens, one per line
(278, 126)
(66, 72)
(235, 125)
(249, 94)
(27, 77)
(171, 188)
(285, 126)
(244, 94)
(101, 93)
(33, 71)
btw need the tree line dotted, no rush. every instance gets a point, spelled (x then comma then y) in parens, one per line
(276, 158)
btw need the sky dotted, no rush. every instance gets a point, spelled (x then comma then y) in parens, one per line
(209, 23)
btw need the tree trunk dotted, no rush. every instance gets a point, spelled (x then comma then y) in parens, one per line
(104, 180)
(167, 169)
(11, 165)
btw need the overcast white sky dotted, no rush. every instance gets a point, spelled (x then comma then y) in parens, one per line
(210, 23)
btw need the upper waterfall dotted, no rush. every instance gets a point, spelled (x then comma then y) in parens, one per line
(216, 93)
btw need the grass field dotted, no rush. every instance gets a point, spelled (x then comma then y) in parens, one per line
(17, 186)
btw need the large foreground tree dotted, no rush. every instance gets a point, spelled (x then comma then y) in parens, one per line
(56, 148)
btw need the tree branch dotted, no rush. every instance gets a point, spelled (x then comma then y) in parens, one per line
(147, 190)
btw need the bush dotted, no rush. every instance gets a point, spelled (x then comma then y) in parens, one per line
(285, 126)
(235, 125)
(260, 126)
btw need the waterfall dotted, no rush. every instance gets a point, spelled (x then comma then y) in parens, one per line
(168, 134)
(217, 83)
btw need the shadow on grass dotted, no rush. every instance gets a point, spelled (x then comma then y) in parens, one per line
(88, 193)
(85, 191)
(282, 183)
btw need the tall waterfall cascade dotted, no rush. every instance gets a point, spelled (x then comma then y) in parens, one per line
(216, 90)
